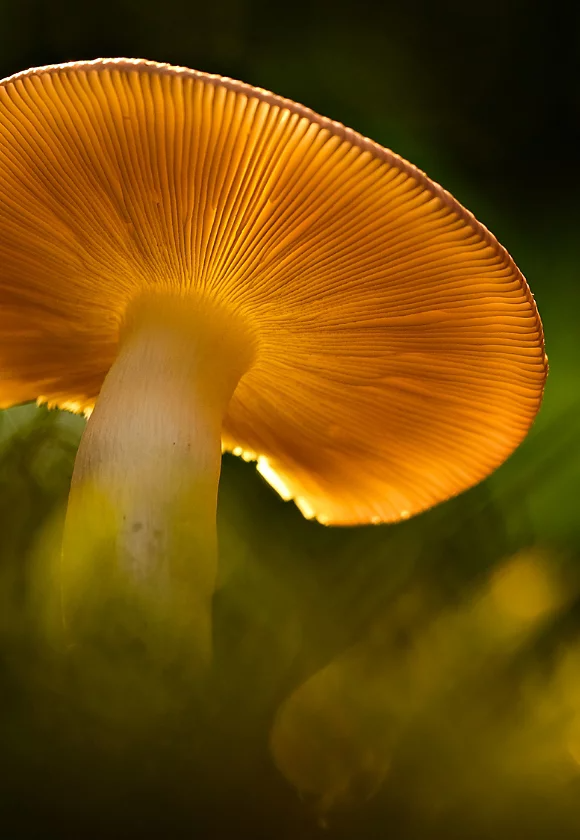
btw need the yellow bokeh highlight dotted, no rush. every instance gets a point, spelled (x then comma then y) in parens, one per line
(574, 740)
(524, 588)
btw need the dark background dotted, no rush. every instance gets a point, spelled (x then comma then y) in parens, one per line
(413, 681)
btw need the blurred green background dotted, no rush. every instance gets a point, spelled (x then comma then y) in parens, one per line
(413, 681)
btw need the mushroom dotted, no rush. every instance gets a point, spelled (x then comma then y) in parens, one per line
(212, 267)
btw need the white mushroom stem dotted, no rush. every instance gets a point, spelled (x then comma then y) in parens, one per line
(149, 463)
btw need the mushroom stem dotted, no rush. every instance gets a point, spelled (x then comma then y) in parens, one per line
(145, 482)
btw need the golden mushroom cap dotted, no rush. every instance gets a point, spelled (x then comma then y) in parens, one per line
(400, 354)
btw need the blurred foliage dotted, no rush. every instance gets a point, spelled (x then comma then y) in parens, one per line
(417, 681)
(425, 675)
